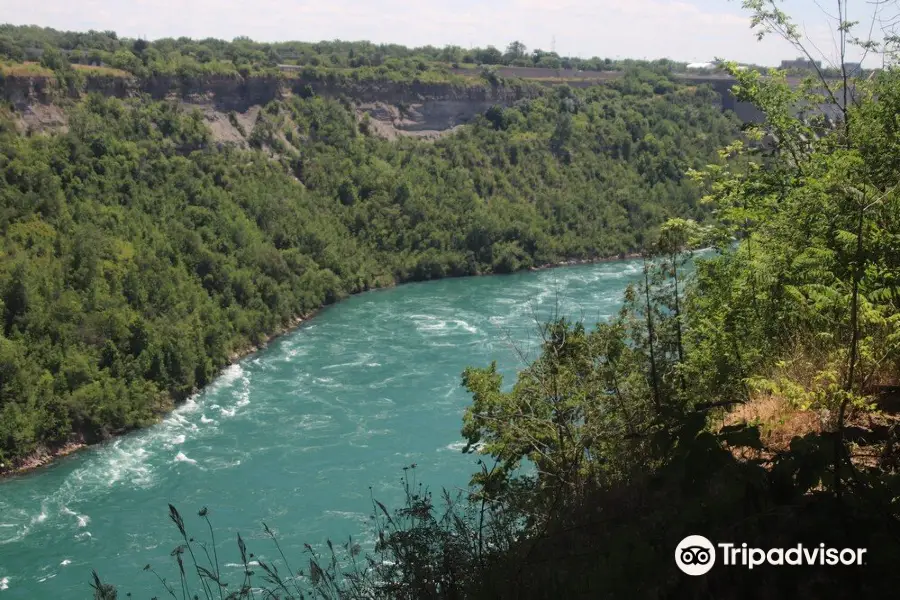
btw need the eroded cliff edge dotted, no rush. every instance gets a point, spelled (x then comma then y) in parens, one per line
(231, 104)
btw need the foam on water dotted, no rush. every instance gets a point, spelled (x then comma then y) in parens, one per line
(231, 374)
(356, 517)
(4, 583)
(125, 460)
(250, 563)
(308, 422)
(292, 353)
(363, 360)
(217, 464)
(442, 344)
(459, 446)
(243, 395)
(189, 406)
(181, 457)
(435, 325)
(19, 532)
(462, 324)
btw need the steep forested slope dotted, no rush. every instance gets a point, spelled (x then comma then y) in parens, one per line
(137, 255)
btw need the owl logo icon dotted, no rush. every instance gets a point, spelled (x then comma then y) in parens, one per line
(695, 555)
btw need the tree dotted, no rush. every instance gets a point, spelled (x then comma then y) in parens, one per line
(139, 46)
(10, 49)
(53, 58)
(489, 56)
(514, 51)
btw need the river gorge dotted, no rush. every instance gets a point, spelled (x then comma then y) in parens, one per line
(294, 435)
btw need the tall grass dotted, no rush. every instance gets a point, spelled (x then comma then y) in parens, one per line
(423, 550)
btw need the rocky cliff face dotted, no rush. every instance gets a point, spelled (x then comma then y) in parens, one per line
(395, 108)
(420, 110)
(223, 92)
(23, 91)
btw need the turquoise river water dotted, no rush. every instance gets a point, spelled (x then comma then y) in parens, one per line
(294, 435)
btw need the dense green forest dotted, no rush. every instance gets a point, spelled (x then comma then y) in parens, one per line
(137, 255)
(750, 396)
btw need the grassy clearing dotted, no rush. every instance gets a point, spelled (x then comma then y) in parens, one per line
(26, 69)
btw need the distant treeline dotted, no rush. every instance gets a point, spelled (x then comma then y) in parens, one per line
(183, 56)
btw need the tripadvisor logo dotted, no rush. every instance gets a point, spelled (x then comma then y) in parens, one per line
(696, 555)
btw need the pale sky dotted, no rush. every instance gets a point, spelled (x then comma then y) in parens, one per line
(687, 30)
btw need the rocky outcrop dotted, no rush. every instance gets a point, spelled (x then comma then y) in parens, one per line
(41, 118)
(21, 91)
(110, 86)
(428, 119)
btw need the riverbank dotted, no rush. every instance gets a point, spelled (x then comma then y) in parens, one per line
(45, 456)
(41, 458)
